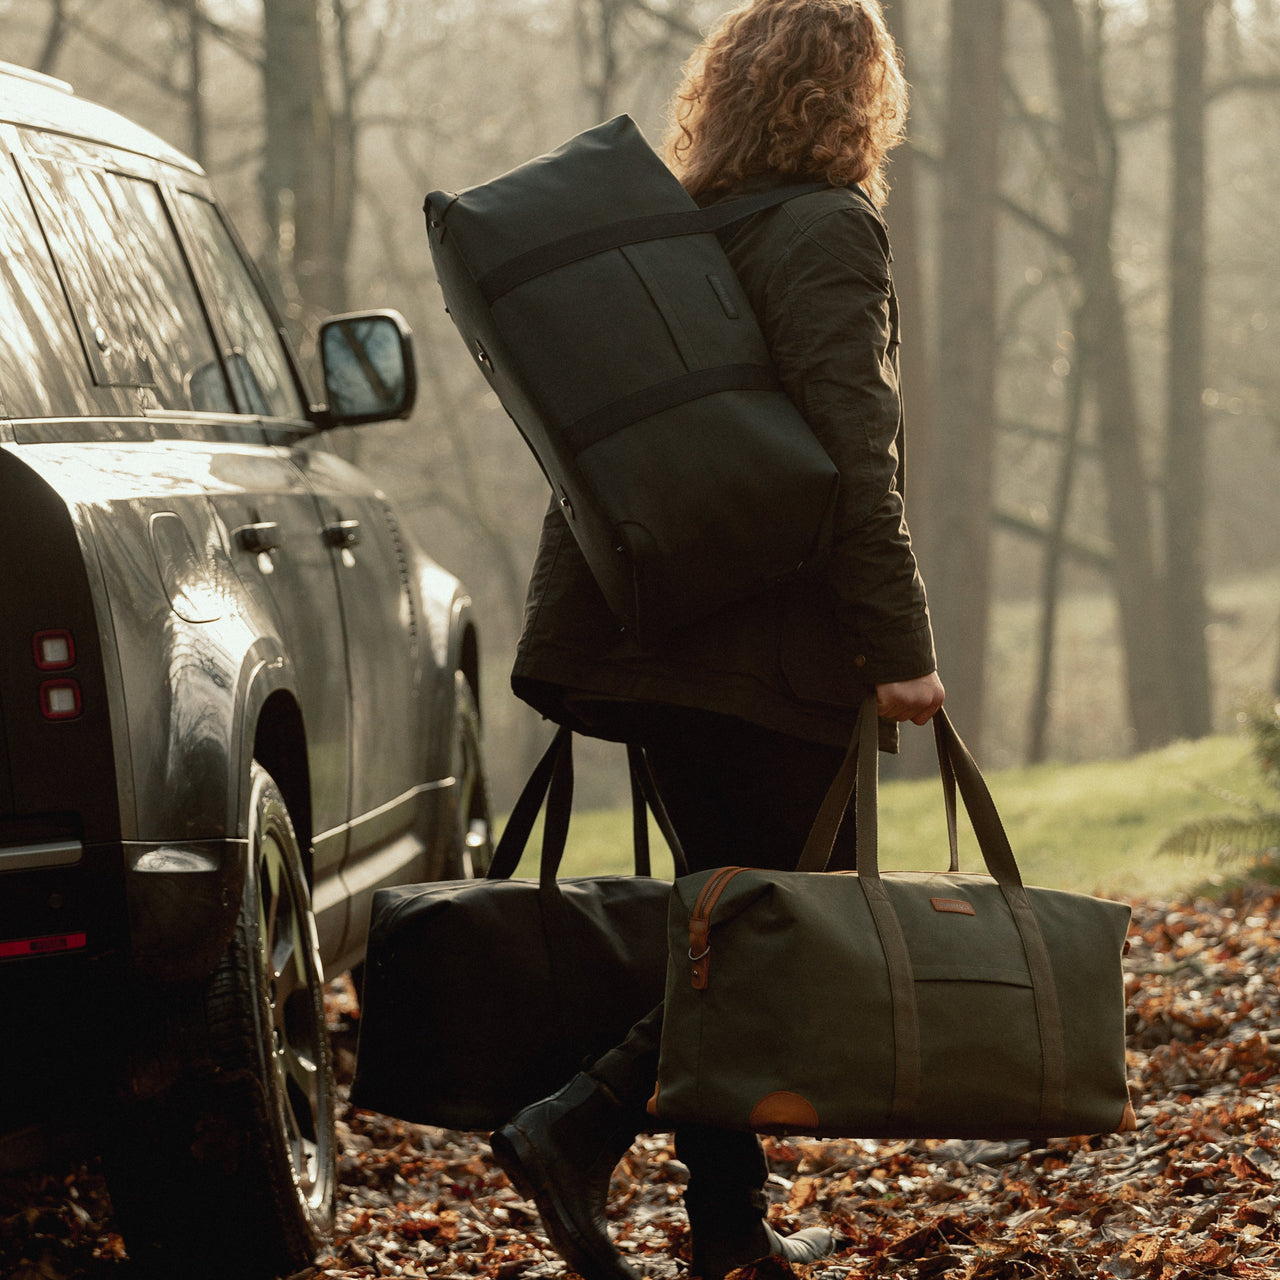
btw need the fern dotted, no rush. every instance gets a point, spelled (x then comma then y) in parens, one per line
(1228, 837)
(1262, 717)
(1251, 837)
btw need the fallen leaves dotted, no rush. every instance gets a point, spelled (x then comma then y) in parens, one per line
(1193, 1192)
(56, 1227)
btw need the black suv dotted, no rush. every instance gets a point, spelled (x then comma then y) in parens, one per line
(235, 698)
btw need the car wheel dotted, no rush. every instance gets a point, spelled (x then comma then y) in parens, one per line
(239, 1161)
(474, 836)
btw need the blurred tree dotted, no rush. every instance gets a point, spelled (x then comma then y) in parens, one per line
(1089, 174)
(596, 25)
(57, 27)
(190, 47)
(904, 213)
(362, 44)
(613, 36)
(300, 159)
(195, 80)
(963, 453)
(1185, 477)
(904, 216)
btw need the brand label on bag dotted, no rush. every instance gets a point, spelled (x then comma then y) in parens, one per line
(958, 906)
(717, 286)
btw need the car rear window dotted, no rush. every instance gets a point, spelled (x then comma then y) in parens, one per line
(140, 318)
(36, 329)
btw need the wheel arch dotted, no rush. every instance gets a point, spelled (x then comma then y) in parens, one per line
(182, 909)
(280, 747)
(469, 654)
(464, 660)
(270, 729)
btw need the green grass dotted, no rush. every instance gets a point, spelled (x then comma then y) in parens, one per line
(1089, 827)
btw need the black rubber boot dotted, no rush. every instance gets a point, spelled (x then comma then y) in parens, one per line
(560, 1153)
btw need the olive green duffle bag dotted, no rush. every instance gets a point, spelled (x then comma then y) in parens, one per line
(593, 294)
(902, 1004)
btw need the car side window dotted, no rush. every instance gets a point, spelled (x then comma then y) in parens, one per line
(36, 329)
(257, 363)
(140, 318)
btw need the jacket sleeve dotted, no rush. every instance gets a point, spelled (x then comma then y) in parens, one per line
(830, 321)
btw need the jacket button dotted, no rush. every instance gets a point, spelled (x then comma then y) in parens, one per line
(860, 660)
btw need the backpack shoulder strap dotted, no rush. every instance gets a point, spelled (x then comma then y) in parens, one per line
(730, 211)
(613, 235)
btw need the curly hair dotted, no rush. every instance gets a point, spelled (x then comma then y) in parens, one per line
(810, 89)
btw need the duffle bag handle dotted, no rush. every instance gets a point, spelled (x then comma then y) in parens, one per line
(551, 782)
(857, 781)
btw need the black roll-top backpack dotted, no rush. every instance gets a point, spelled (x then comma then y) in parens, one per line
(597, 300)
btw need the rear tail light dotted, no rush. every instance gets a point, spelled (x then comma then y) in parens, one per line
(54, 650)
(60, 699)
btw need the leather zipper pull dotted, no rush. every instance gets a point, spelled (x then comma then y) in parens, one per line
(700, 926)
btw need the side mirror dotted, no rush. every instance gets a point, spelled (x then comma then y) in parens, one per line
(369, 372)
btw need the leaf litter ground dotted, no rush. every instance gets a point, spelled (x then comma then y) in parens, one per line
(1194, 1192)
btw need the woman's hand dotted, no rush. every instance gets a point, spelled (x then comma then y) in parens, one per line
(915, 700)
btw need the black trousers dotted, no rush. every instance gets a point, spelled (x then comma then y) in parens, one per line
(737, 794)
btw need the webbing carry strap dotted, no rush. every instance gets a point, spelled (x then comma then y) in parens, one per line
(645, 788)
(515, 835)
(613, 235)
(552, 782)
(1000, 861)
(601, 423)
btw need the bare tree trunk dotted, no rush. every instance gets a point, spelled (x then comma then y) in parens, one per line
(195, 82)
(1185, 446)
(597, 23)
(1090, 184)
(916, 757)
(1055, 548)
(903, 213)
(960, 497)
(55, 36)
(346, 150)
(297, 169)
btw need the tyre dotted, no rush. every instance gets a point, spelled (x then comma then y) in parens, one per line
(237, 1163)
(473, 839)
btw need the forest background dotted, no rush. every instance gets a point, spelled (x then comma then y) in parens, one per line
(1085, 246)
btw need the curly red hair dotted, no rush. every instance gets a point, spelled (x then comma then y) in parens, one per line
(810, 89)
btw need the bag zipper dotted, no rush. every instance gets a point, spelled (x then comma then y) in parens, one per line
(700, 925)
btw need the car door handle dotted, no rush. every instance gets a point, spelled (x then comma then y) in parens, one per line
(262, 536)
(342, 533)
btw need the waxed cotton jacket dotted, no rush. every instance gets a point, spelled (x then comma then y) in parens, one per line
(799, 657)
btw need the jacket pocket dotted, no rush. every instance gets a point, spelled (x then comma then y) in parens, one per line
(815, 661)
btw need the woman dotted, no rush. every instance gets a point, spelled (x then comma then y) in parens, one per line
(744, 717)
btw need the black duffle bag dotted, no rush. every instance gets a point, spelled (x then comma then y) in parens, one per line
(597, 300)
(481, 996)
